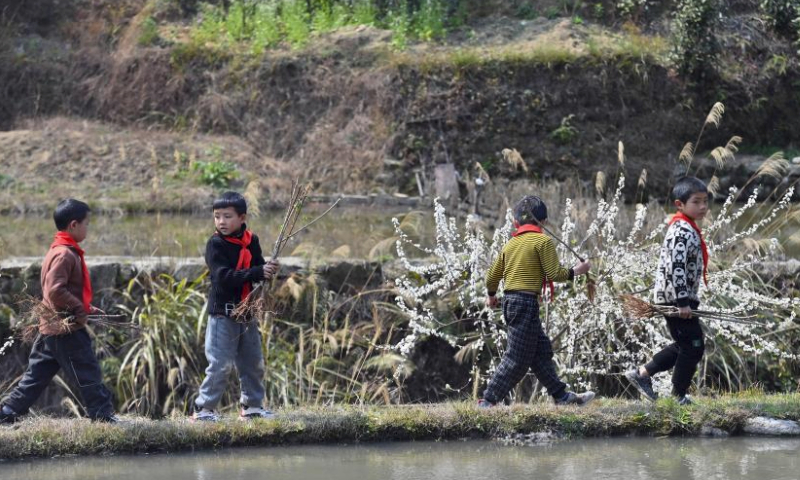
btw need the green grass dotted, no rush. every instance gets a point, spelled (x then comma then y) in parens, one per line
(44, 437)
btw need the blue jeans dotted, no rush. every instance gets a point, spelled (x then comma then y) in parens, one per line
(230, 343)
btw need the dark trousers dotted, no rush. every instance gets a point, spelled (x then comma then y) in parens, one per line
(684, 354)
(72, 353)
(528, 348)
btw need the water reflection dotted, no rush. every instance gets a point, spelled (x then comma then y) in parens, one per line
(186, 235)
(627, 458)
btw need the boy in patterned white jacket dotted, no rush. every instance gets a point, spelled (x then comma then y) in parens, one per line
(681, 267)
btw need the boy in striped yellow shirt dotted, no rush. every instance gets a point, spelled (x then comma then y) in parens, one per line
(527, 263)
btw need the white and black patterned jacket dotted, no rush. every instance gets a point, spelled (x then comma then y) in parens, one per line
(680, 267)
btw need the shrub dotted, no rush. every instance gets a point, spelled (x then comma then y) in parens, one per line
(694, 42)
(149, 34)
(782, 16)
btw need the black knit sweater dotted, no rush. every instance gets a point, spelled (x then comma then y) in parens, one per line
(227, 282)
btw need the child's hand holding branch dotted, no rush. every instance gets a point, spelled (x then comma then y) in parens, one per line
(270, 269)
(582, 267)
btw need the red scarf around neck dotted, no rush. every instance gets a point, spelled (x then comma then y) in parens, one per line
(703, 247)
(64, 238)
(245, 257)
(533, 228)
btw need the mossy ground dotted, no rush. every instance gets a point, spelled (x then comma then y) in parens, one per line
(47, 437)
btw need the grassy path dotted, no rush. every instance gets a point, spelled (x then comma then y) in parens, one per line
(47, 437)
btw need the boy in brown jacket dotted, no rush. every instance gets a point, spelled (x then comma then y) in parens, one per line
(63, 342)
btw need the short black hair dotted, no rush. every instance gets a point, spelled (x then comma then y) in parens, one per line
(530, 210)
(231, 199)
(685, 187)
(69, 210)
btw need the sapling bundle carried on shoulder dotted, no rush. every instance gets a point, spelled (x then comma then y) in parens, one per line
(34, 311)
(633, 307)
(255, 305)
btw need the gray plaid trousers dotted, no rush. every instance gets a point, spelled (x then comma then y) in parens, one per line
(528, 347)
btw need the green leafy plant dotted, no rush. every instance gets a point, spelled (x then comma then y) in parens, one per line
(364, 13)
(429, 20)
(149, 34)
(598, 10)
(400, 25)
(296, 22)
(216, 173)
(565, 133)
(163, 364)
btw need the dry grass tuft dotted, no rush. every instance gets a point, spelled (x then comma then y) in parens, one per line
(252, 194)
(721, 155)
(715, 115)
(733, 143)
(481, 173)
(713, 186)
(513, 157)
(600, 183)
(687, 153)
(642, 179)
(776, 166)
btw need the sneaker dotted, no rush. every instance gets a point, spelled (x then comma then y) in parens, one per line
(249, 413)
(643, 384)
(685, 400)
(571, 398)
(8, 416)
(205, 415)
(483, 403)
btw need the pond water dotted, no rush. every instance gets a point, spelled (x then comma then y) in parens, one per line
(358, 232)
(589, 459)
(360, 229)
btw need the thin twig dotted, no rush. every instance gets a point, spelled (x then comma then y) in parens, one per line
(314, 221)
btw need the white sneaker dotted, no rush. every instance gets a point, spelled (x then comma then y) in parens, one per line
(248, 413)
(205, 415)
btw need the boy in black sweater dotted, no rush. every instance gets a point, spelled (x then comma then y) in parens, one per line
(235, 262)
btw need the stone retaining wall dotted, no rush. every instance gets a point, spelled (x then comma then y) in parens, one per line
(20, 276)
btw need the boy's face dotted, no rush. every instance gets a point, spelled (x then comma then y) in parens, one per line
(695, 207)
(227, 221)
(78, 230)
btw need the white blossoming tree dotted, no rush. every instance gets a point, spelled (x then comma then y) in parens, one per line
(592, 337)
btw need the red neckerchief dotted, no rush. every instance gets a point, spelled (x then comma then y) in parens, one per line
(533, 228)
(245, 257)
(703, 247)
(64, 238)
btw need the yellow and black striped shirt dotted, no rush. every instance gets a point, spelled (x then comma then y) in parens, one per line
(525, 262)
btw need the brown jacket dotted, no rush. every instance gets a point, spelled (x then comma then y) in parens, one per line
(62, 290)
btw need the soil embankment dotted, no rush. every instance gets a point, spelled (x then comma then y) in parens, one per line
(352, 115)
(734, 415)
